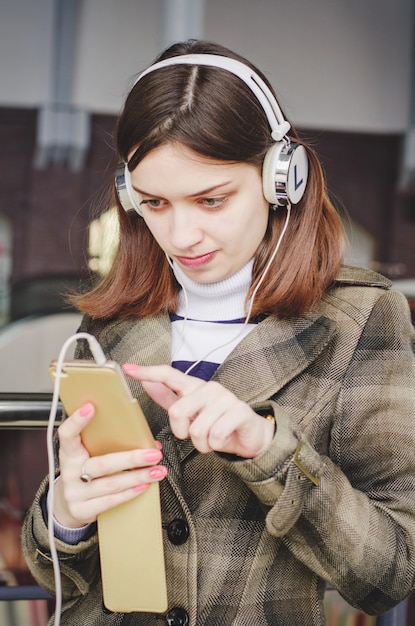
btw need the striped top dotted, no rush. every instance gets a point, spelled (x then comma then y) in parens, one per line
(207, 327)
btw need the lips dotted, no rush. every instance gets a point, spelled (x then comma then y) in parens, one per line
(196, 261)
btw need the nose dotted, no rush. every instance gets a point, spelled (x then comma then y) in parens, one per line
(185, 229)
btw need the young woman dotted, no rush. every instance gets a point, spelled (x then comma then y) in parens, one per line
(278, 383)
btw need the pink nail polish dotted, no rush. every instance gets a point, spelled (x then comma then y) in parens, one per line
(139, 488)
(158, 472)
(152, 456)
(130, 368)
(86, 409)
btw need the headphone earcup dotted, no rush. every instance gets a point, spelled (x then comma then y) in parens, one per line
(285, 173)
(124, 189)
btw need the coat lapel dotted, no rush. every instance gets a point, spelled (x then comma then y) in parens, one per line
(272, 354)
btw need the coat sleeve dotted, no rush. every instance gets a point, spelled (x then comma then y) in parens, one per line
(79, 564)
(349, 515)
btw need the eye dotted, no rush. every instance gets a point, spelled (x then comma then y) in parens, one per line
(213, 203)
(153, 203)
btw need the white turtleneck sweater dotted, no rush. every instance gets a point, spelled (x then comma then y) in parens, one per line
(212, 322)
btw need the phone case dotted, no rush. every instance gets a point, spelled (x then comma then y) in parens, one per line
(130, 535)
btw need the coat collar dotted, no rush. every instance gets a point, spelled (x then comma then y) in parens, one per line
(362, 277)
(273, 353)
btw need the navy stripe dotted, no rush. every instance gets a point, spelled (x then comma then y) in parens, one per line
(203, 370)
(179, 318)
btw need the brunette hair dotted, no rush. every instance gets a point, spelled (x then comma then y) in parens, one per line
(214, 113)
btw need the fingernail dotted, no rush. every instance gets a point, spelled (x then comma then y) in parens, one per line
(158, 444)
(130, 368)
(139, 488)
(158, 472)
(152, 456)
(86, 409)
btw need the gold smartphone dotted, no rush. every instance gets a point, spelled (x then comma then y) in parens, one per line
(130, 535)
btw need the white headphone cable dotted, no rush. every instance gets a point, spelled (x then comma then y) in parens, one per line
(99, 357)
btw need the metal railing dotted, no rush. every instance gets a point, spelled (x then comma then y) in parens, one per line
(27, 410)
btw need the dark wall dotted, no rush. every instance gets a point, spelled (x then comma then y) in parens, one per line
(363, 172)
(49, 210)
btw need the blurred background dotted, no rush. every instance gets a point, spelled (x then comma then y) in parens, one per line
(344, 72)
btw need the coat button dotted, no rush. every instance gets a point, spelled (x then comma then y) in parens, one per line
(178, 531)
(177, 617)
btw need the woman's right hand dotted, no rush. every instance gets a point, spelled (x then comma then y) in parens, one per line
(78, 503)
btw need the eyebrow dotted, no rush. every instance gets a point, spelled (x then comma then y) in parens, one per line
(203, 192)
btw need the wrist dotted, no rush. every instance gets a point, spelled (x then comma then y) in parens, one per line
(271, 419)
(267, 412)
(269, 426)
(61, 515)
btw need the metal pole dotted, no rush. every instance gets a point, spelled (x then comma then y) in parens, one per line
(182, 19)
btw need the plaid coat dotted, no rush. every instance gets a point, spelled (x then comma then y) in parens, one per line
(332, 500)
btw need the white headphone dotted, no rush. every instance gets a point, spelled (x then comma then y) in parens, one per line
(285, 167)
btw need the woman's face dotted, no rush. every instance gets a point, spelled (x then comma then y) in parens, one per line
(209, 216)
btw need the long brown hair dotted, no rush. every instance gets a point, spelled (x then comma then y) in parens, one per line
(214, 113)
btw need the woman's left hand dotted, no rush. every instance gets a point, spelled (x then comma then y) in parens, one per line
(213, 417)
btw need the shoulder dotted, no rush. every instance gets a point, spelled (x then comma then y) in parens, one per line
(121, 335)
(361, 277)
(357, 291)
(108, 333)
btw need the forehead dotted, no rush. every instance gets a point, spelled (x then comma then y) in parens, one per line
(179, 150)
(176, 166)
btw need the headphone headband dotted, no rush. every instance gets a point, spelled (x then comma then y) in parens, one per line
(285, 167)
(279, 126)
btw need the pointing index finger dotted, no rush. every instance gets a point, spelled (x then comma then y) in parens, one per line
(175, 380)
